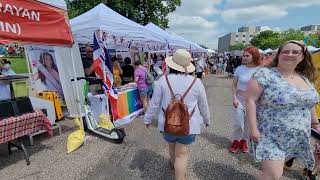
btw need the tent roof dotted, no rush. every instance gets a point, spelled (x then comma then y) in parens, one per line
(56, 3)
(210, 51)
(103, 18)
(170, 38)
(193, 45)
(312, 48)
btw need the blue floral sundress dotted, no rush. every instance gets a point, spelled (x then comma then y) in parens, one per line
(284, 118)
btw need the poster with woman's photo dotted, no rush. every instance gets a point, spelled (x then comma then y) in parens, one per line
(44, 69)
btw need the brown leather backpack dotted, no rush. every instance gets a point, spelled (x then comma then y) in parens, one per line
(177, 115)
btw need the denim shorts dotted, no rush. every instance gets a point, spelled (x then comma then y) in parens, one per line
(188, 139)
(145, 92)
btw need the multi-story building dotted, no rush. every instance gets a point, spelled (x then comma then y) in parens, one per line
(244, 36)
(310, 29)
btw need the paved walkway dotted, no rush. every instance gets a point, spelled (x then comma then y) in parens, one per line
(144, 155)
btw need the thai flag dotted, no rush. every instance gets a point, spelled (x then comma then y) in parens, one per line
(100, 53)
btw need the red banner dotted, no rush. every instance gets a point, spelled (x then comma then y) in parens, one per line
(30, 21)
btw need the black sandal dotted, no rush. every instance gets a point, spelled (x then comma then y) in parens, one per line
(310, 175)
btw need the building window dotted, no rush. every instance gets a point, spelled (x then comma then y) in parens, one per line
(251, 35)
(244, 35)
(243, 42)
(236, 35)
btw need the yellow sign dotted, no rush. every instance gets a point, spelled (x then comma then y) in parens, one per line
(316, 62)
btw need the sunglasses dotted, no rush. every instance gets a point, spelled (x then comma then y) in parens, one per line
(293, 52)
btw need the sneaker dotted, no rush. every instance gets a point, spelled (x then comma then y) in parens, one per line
(289, 163)
(244, 146)
(234, 147)
(310, 175)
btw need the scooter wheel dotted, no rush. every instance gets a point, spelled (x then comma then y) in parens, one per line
(119, 141)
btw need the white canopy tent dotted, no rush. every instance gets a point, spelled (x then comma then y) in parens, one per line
(192, 46)
(261, 51)
(312, 49)
(105, 19)
(173, 41)
(210, 51)
(268, 50)
(69, 64)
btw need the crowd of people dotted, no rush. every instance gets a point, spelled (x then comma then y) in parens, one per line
(273, 99)
(273, 104)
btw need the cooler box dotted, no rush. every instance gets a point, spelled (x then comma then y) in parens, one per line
(53, 97)
(19, 89)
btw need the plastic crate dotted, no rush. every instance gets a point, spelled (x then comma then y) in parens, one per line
(20, 89)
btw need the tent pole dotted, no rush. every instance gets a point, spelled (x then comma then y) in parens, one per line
(29, 70)
(77, 88)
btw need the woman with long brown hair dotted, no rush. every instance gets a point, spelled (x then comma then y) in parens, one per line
(280, 110)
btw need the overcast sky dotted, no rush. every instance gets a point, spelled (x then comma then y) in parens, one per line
(204, 21)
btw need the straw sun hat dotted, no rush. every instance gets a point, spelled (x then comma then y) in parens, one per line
(180, 61)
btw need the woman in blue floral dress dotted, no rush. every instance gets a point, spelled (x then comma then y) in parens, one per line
(280, 110)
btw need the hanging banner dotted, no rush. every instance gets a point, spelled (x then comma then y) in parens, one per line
(31, 21)
(45, 73)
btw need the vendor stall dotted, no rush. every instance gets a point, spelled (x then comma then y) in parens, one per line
(129, 105)
(106, 29)
(22, 117)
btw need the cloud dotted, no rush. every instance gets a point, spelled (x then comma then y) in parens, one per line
(259, 10)
(253, 14)
(283, 4)
(198, 8)
(265, 28)
(190, 21)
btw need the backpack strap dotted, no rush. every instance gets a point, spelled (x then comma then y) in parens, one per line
(169, 85)
(185, 94)
(171, 91)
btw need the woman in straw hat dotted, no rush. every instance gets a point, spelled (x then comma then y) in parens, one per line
(280, 110)
(180, 66)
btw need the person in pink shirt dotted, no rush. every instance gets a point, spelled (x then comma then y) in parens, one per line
(145, 90)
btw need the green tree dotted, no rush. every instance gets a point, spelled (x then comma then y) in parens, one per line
(270, 39)
(266, 39)
(291, 35)
(140, 11)
(239, 46)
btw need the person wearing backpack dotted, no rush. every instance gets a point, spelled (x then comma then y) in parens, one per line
(144, 82)
(182, 102)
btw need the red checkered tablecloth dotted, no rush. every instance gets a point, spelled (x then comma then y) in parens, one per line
(15, 127)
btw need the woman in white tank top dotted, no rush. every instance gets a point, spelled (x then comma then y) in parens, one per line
(243, 73)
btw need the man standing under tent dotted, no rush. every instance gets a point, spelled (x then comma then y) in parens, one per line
(89, 67)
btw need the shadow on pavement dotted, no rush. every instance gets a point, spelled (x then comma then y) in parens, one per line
(17, 155)
(224, 143)
(151, 165)
(211, 170)
(225, 77)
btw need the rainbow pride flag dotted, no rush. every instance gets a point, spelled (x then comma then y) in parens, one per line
(128, 103)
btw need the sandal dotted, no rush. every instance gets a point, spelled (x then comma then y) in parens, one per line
(310, 175)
